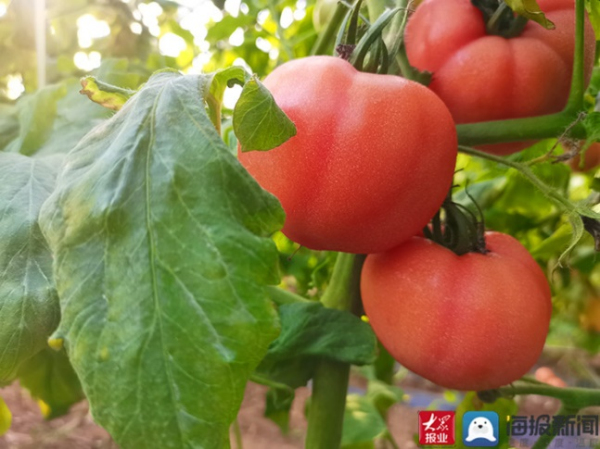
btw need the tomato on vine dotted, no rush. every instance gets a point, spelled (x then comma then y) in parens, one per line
(464, 308)
(483, 77)
(469, 322)
(372, 160)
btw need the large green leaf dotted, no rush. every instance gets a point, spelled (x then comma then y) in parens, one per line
(29, 310)
(161, 257)
(309, 329)
(54, 119)
(37, 113)
(50, 379)
(9, 124)
(76, 115)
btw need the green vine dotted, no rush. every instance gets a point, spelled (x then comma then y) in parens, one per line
(330, 382)
(572, 400)
(581, 216)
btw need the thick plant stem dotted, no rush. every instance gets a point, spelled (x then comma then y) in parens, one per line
(327, 405)
(574, 398)
(515, 130)
(330, 382)
(542, 127)
(343, 288)
(575, 102)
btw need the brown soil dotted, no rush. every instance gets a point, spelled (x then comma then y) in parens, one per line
(78, 431)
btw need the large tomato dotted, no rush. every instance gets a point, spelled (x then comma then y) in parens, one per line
(372, 160)
(482, 77)
(470, 322)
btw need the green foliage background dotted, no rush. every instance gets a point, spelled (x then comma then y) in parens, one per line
(39, 126)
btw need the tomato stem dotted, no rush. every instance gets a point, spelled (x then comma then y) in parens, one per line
(327, 405)
(372, 36)
(573, 398)
(330, 382)
(343, 290)
(575, 102)
(580, 215)
(515, 130)
(499, 18)
(550, 192)
(460, 231)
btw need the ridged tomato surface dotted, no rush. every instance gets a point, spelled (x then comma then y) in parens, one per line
(470, 322)
(372, 160)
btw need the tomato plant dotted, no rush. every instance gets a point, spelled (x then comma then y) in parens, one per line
(350, 179)
(454, 319)
(209, 207)
(483, 77)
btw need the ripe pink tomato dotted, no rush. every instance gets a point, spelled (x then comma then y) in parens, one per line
(470, 322)
(372, 160)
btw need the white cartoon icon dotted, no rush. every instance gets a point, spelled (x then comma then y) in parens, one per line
(481, 427)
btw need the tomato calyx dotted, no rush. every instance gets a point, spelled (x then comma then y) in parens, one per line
(499, 19)
(361, 42)
(489, 396)
(457, 228)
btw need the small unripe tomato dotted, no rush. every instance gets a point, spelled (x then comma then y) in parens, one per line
(470, 322)
(372, 160)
